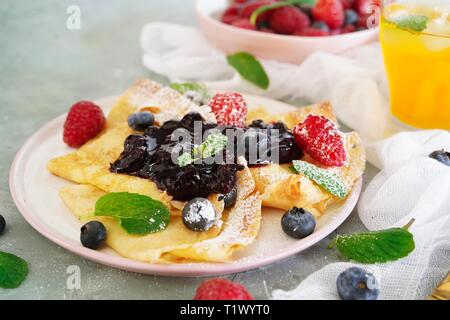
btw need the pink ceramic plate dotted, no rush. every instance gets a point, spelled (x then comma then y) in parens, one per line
(35, 192)
(284, 48)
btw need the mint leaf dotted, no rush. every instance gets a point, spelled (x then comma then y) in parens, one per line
(326, 179)
(250, 69)
(412, 22)
(137, 214)
(276, 5)
(376, 247)
(183, 87)
(212, 146)
(13, 270)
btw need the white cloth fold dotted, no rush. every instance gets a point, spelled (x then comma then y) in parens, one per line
(354, 83)
(409, 185)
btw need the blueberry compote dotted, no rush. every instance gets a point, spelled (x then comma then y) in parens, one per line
(151, 155)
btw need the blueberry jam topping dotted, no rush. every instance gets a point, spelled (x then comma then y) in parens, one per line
(284, 141)
(151, 155)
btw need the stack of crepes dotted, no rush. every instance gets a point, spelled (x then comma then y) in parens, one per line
(272, 185)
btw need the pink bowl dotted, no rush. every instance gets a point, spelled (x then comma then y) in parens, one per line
(284, 48)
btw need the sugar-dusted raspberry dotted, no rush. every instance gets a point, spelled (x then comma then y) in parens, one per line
(221, 289)
(288, 20)
(84, 121)
(321, 139)
(229, 108)
(329, 11)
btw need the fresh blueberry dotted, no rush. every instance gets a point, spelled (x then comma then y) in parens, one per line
(320, 25)
(2, 224)
(298, 223)
(230, 198)
(140, 120)
(93, 235)
(357, 284)
(441, 156)
(351, 17)
(199, 214)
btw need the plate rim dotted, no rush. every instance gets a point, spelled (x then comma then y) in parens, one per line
(173, 270)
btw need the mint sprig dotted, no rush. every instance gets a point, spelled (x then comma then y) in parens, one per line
(210, 147)
(13, 270)
(377, 246)
(138, 214)
(415, 23)
(326, 179)
(276, 5)
(250, 69)
(184, 87)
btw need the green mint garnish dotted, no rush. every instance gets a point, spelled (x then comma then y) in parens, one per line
(183, 87)
(376, 247)
(413, 22)
(137, 214)
(212, 146)
(13, 270)
(326, 179)
(276, 5)
(250, 69)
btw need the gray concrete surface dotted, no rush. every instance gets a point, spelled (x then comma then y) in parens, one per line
(44, 68)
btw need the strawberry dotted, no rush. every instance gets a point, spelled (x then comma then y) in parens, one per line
(229, 108)
(84, 121)
(312, 32)
(248, 8)
(231, 14)
(347, 4)
(288, 20)
(329, 11)
(221, 289)
(243, 24)
(320, 138)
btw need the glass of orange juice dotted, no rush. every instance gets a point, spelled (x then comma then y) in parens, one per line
(415, 39)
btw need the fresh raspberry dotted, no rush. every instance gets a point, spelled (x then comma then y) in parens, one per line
(329, 11)
(364, 6)
(243, 24)
(288, 20)
(231, 14)
(248, 8)
(322, 140)
(84, 121)
(312, 32)
(347, 4)
(229, 108)
(221, 289)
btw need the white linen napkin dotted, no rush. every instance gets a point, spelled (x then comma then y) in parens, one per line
(354, 83)
(409, 185)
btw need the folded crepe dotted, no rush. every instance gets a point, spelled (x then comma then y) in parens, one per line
(89, 166)
(282, 188)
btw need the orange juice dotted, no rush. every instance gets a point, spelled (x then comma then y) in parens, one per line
(418, 63)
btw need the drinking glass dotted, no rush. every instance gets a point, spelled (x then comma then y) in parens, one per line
(415, 39)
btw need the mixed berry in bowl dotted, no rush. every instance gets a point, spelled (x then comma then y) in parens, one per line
(322, 18)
